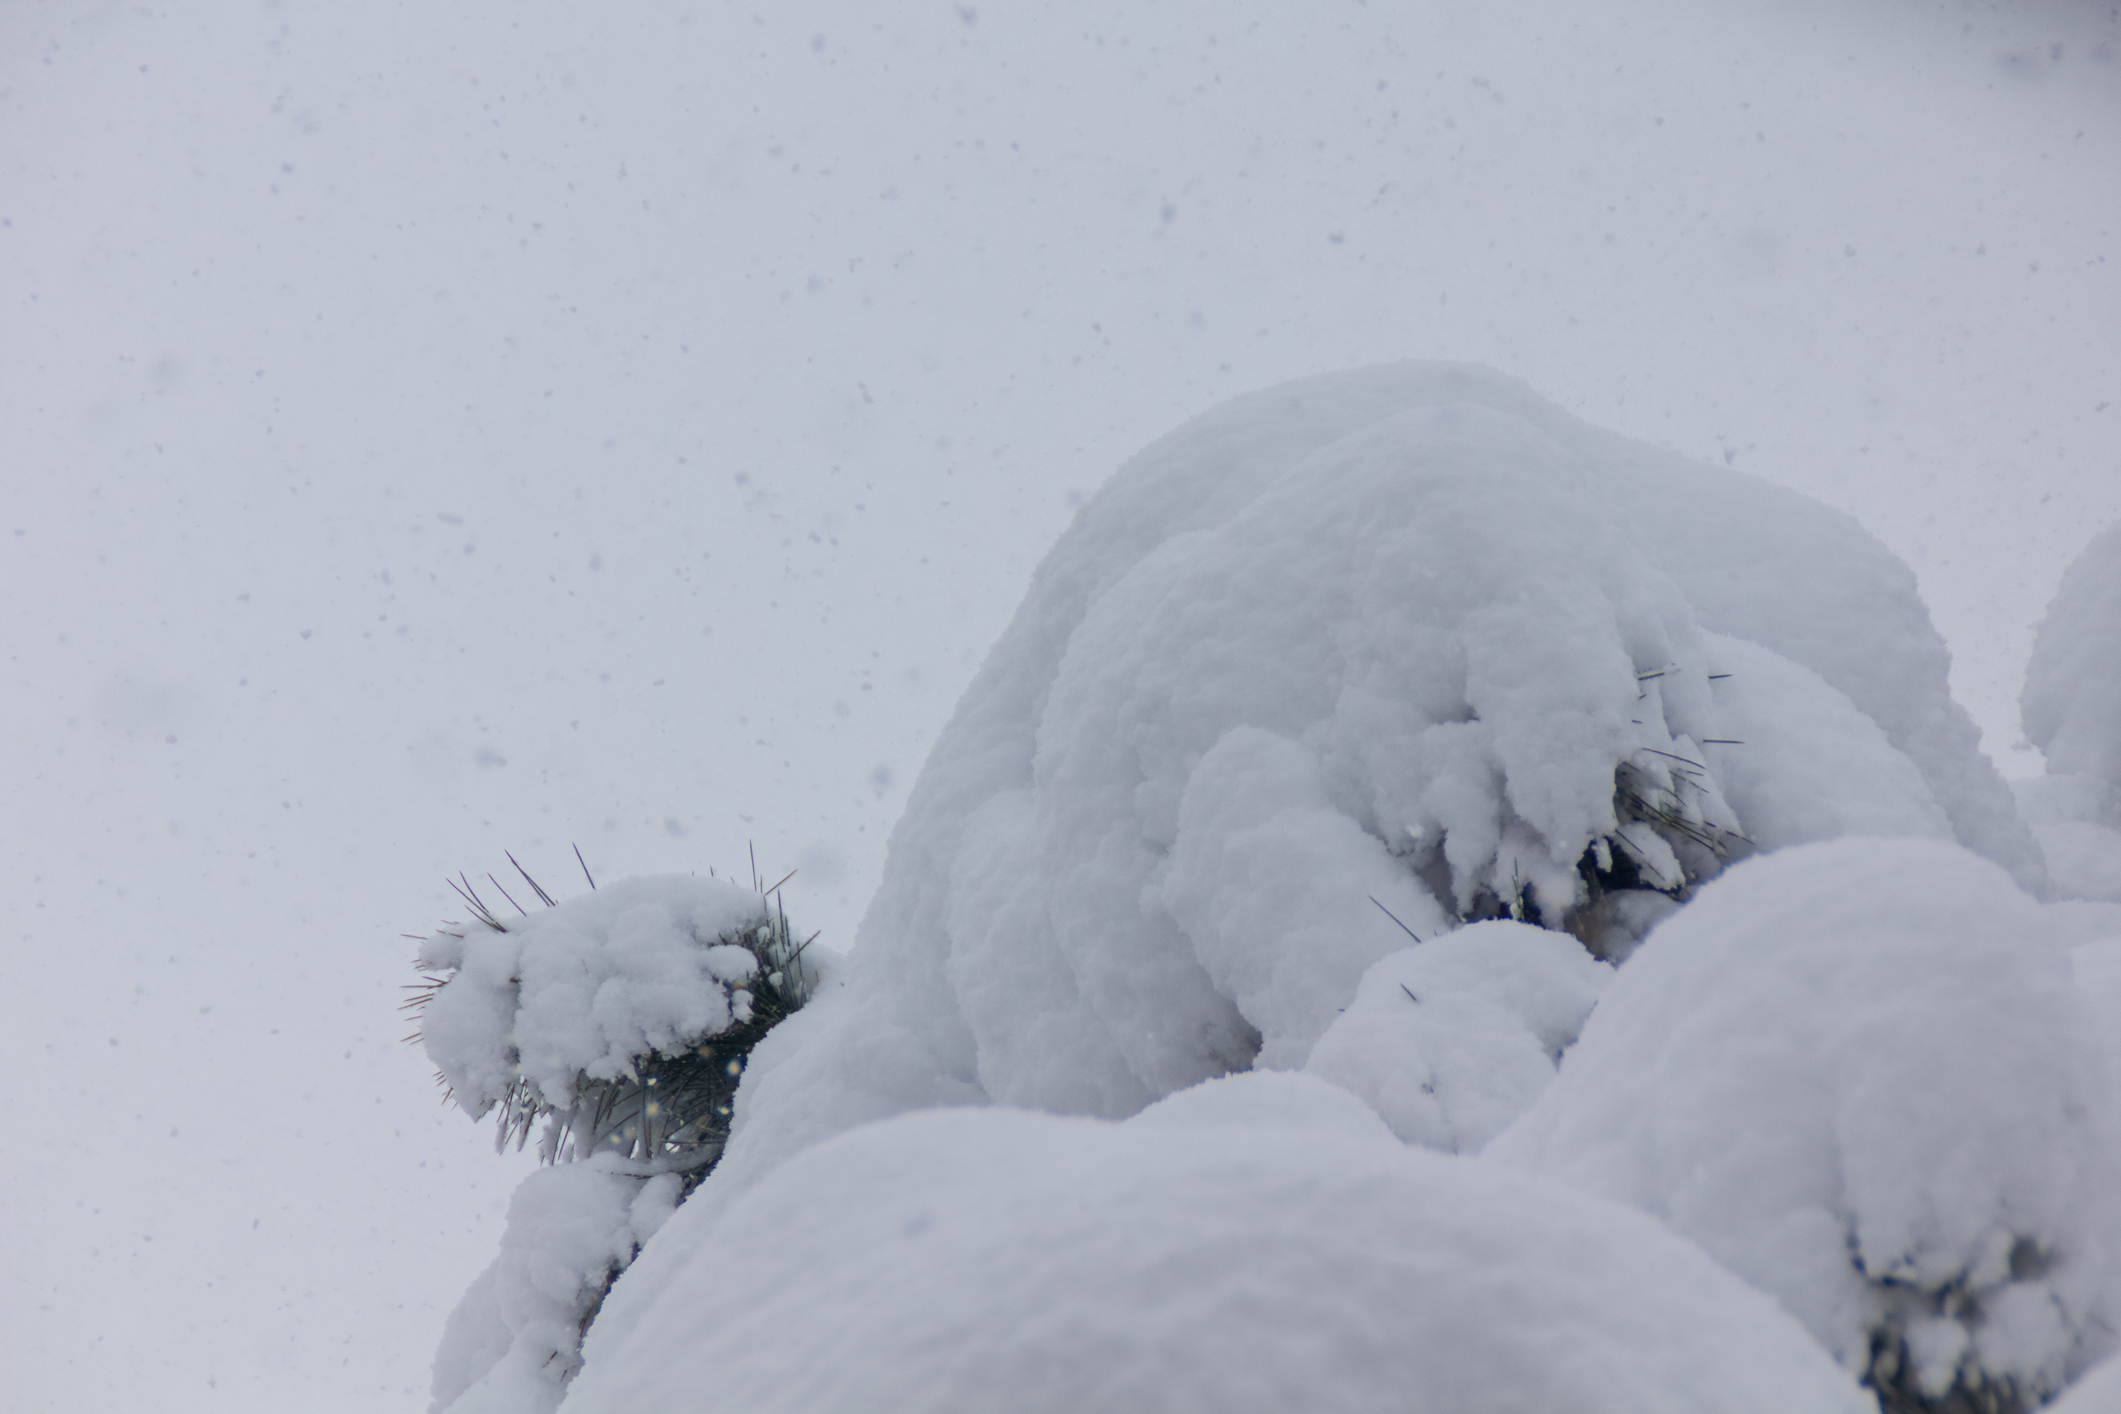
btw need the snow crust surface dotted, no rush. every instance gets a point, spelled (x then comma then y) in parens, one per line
(1257, 1244)
(1862, 1075)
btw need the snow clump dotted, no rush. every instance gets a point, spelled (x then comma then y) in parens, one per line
(1860, 1074)
(1450, 1041)
(514, 1340)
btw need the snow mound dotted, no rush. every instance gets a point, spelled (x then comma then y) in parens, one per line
(588, 988)
(1861, 1076)
(2072, 697)
(1409, 633)
(1450, 1041)
(1205, 1257)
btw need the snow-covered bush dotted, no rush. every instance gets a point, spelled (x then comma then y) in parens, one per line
(1409, 634)
(1254, 1246)
(2072, 710)
(1861, 1076)
(1398, 729)
(623, 1019)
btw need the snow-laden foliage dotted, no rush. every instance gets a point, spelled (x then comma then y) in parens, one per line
(1861, 1076)
(1255, 1246)
(596, 1014)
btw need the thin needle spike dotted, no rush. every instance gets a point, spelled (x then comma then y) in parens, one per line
(544, 897)
(784, 879)
(1396, 919)
(1670, 757)
(1410, 994)
(585, 866)
(479, 910)
(505, 894)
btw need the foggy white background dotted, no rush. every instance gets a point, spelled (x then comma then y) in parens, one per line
(430, 431)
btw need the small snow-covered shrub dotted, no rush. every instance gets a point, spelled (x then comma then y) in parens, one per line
(1254, 1246)
(623, 1019)
(1862, 1076)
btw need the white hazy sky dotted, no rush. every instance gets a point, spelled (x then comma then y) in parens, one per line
(431, 431)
